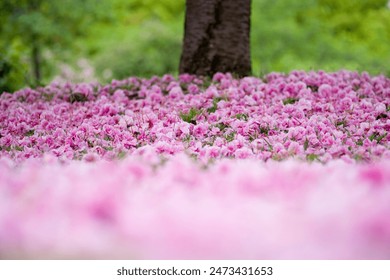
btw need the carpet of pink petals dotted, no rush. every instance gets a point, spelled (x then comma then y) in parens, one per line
(290, 166)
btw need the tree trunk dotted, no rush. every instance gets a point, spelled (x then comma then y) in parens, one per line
(33, 7)
(216, 37)
(36, 63)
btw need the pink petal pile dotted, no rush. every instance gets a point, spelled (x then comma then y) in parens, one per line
(285, 167)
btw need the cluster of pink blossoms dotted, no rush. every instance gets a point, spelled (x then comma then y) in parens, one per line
(286, 167)
(314, 116)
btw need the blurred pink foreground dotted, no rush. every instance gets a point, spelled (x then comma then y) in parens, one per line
(232, 210)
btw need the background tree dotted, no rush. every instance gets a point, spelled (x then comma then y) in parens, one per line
(38, 25)
(216, 37)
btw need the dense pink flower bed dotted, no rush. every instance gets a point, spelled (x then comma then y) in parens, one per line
(318, 116)
(289, 166)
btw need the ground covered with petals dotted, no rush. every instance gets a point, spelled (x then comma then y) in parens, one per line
(287, 166)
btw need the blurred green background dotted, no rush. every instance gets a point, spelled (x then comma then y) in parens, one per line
(94, 40)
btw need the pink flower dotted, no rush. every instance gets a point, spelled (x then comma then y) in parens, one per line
(294, 148)
(175, 93)
(193, 89)
(380, 108)
(119, 95)
(242, 153)
(325, 90)
(213, 152)
(91, 157)
(200, 130)
(184, 127)
(346, 104)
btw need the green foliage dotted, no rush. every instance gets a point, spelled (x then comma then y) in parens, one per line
(144, 39)
(323, 34)
(230, 137)
(30, 133)
(376, 136)
(138, 11)
(290, 100)
(342, 123)
(13, 68)
(311, 157)
(153, 50)
(77, 97)
(346, 6)
(123, 38)
(222, 126)
(306, 144)
(47, 22)
(243, 117)
(264, 130)
(39, 25)
(190, 117)
(214, 108)
(121, 155)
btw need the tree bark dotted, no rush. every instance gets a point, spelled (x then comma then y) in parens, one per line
(33, 7)
(36, 63)
(216, 37)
